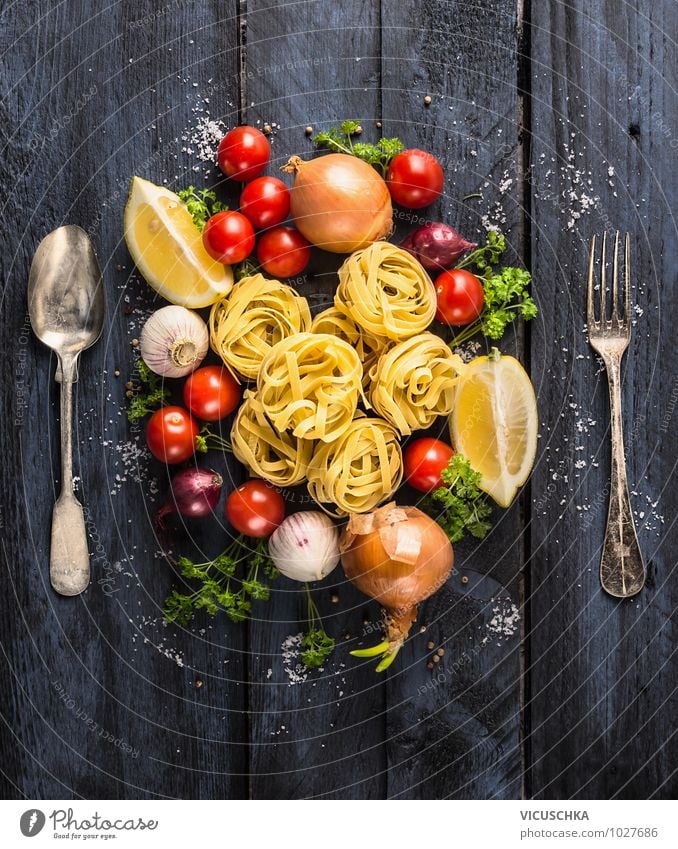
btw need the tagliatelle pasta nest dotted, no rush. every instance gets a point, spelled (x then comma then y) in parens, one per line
(279, 458)
(368, 346)
(309, 384)
(252, 318)
(359, 470)
(386, 292)
(413, 382)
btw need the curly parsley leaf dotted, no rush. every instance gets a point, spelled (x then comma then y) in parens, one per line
(316, 647)
(340, 140)
(201, 203)
(460, 506)
(316, 643)
(148, 396)
(506, 291)
(218, 585)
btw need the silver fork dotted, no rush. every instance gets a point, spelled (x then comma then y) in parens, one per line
(622, 571)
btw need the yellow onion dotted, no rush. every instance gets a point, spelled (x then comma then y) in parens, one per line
(398, 556)
(339, 202)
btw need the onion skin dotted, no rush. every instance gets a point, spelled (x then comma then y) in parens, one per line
(339, 203)
(397, 585)
(437, 246)
(193, 493)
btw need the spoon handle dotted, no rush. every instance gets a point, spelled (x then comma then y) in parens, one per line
(69, 555)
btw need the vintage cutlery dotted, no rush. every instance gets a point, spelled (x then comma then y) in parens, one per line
(622, 571)
(66, 306)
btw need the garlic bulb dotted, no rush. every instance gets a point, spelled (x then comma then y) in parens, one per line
(305, 547)
(174, 341)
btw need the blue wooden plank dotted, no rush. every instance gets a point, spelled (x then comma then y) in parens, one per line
(602, 678)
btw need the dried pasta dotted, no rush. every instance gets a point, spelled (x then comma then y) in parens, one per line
(368, 346)
(414, 381)
(252, 318)
(359, 470)
(309, 384)
(386, 292)
(279, 458)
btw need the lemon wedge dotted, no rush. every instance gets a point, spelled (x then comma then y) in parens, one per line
(167, 248)
(494, 423)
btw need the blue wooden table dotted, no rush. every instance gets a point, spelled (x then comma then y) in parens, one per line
(552, 120)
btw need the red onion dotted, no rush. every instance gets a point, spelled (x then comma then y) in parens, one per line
(193, 492)
(436, 245)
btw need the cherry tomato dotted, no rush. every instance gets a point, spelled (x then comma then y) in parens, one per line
(255, 508)
(171, 434)
(460, 297)
(283, 252)
(211, 393)
(414, 179)
(265, 202)
(243, 153)
(423, 460)
(228, 237)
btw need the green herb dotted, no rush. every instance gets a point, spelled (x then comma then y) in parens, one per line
(506, 291)
(246, 269)
(220, 589)
(316, 644)
(460, 505)
(341, 140)
(201, 203)
(206, 440)
(150, 395)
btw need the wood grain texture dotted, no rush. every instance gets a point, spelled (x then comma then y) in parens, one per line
(323, 736)
(602, 695)
(103, 702)
(454, 731)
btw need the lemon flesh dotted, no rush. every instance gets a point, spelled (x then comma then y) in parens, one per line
(494, 424)
(167, 248)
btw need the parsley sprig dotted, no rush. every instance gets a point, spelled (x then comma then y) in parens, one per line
(219, 587)
(201, 203)
(148, 396)
(506, 291)
(460, 506)
(316, 644)
(341, 140)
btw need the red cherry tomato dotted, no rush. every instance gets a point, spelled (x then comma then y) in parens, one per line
(423, 460)
(414, 179)
(243, 153)
(283, 252)
(265, 202)
(460, 295)
(171, 434)
(255, 508)
(211, 393)
(228, 237)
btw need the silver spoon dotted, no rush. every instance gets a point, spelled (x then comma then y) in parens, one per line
(66, 306)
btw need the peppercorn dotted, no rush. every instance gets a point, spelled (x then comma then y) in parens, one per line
(430, 644)
(309, 130)
(427, 100)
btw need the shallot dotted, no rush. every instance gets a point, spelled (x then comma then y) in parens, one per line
(193, 493)
(436, 245)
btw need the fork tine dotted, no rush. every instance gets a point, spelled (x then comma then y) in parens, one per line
(590, 315)
(627, 278)
(603, 254)
(615, 279)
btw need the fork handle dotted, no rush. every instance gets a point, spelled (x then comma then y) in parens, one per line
(622, 571)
